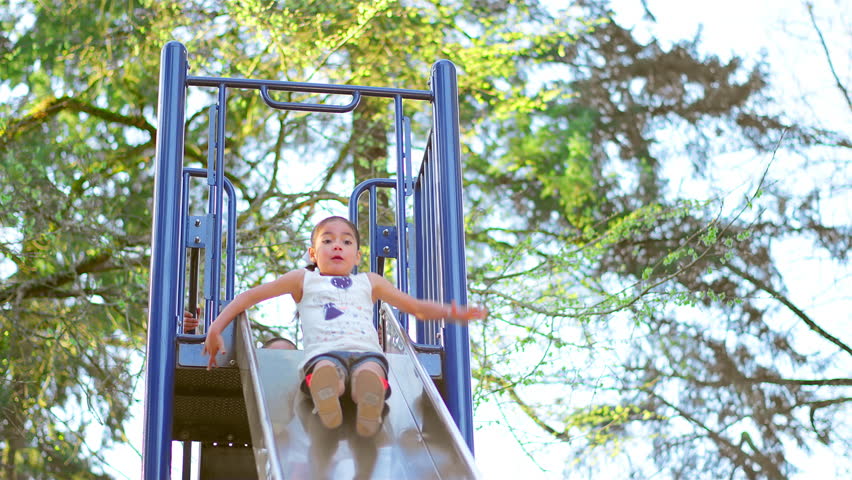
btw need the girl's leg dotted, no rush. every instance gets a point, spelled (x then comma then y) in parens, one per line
(325, 382)
(369, 383)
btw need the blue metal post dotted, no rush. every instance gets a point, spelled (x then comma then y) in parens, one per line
(216, 182)
(403, 156)
(167, 242)
(448, 155)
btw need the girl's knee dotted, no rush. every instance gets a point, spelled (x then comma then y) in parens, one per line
(372, 366)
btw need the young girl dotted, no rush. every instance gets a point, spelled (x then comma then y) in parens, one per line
(336, 308)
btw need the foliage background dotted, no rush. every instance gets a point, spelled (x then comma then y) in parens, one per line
(646, 315)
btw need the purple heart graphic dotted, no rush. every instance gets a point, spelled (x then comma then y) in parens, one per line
(341, 282)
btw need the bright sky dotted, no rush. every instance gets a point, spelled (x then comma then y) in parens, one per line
(781, 30)
(742, 27)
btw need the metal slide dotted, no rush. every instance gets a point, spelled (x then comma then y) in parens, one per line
(418, 439)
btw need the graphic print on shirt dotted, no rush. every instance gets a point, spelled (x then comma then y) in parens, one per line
(330, 309)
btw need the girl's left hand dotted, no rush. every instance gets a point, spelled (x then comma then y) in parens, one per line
(467, 313)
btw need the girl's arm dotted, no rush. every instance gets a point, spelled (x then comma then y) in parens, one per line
(422, 309)
(290, 282)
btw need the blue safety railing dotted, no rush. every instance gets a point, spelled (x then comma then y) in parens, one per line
(427, 239)
(203, 232)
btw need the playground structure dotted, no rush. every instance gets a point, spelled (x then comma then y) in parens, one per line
(249, 416)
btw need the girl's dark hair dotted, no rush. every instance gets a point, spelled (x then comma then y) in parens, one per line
(325, 221)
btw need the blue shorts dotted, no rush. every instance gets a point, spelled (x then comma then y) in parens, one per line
(346, 363)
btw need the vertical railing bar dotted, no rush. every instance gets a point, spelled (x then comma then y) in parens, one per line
(401, 187)
(437, 222)
(187, 460)
(419, 284)
(214, 265)
(425, 244)
(231, 253)
(212, 149)
(185, 178)
(409, 153)
(408, 239)
(411, 261)
(428, 226)
(374, 260)
(437, 225)
(371, 219)
(212, 141)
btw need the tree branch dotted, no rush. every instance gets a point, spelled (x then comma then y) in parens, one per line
(741, 458)
(840, 86)
(51, 107)
(528, 410)
(47, 285)
(789, 304)
(836, 382)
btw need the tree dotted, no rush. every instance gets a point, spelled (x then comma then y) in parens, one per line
(567, 195)
(704, 349)
(77, 131)
(74, 248)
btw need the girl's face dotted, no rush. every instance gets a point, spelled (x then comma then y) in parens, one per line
(335, 249)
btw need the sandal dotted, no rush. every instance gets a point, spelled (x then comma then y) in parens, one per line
(323, 384)
(368, 392)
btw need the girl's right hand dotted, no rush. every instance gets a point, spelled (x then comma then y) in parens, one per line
(213, 345)
(190, 321)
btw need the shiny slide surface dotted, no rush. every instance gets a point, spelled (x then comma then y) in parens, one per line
(418, 438)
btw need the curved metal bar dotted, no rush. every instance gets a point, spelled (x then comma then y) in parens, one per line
(368, 185)
(363, 187)
(385, 92)
(310, 107)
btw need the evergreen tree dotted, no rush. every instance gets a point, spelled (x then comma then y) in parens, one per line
(627, 316)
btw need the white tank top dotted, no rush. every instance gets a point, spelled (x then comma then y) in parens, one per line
(337, 314)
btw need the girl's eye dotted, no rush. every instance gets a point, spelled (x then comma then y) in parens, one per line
(326, 240)
(347, 242)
